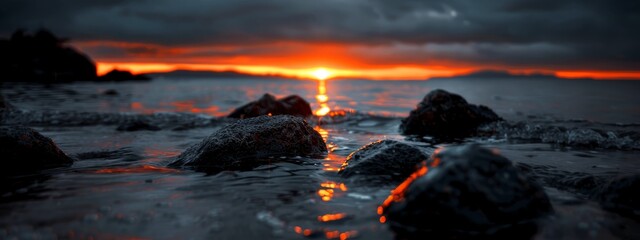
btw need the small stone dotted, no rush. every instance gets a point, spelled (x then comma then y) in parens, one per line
(389, 158)
(444, 114)
(268, 105)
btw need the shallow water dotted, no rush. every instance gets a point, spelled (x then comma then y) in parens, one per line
(119, 188)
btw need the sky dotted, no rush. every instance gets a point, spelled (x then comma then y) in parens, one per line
(351, 38)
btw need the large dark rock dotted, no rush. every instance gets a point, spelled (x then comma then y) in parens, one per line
(267, 104)
(116, 75)
(621, 194)
(42, 57)
(444, 114)
(246, 142)
(465, 191)
(24, 149)
(389, 158)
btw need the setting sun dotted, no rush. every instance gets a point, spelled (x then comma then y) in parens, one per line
(321, 74)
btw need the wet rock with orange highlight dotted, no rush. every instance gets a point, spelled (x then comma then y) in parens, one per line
(247, 142)
(24, 149)
(267, 104)
(385, 158)
(447, 115)
(466, 191)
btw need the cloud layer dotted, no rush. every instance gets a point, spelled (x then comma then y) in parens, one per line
(545, 34)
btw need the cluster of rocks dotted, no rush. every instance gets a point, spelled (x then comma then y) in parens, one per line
(460, 191)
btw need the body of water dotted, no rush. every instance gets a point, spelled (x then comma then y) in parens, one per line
(118, 187)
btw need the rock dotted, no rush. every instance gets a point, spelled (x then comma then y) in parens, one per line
(43, 57)
(4, 105)
(296, 105)
(390, 158)
(137, 125)
(116, 75)
(110, 92)
(465, 191)
(620, 195)
(444, 114)
(267, 104)
(24, 149)
(245, 142)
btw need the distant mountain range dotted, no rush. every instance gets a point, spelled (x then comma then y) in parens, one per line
(493, 74)
(485, 74)
(208, 74)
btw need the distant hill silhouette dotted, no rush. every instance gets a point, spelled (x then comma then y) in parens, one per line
(42, 57)
(120, 75)
(208, 74)
(494, 74)
(45, 58)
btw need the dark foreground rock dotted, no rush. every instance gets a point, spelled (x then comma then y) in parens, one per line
(24, 149)
(444, 114)
(116, 75)
(466, 191)
(244, 143)
(267, 104)
(42, 57)
(622, 195)
(388, 158)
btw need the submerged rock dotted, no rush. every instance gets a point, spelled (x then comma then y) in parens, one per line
(4, 105)
(465, 191)
(390, 158)
(242, 144)
(620, 195)
(444, 114)
(24, 149)
(137, 126)
(267, 104)
(116, 75)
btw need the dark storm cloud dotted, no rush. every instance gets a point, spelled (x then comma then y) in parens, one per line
(576, 33)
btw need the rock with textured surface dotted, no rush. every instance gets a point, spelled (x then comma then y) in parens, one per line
(267, 104)
(243, 143)
(444, 114)
(388, 158)
(24, 149)
(620, 195)
(464, 191)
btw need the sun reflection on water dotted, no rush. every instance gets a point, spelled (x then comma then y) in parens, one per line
(322, 99)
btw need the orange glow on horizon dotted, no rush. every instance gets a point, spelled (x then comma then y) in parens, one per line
(301, 60)
(393, 73)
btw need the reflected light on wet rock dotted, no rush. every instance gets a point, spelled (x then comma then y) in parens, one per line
(331, 217)
(397, 194)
